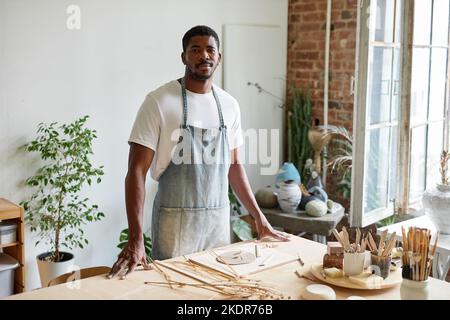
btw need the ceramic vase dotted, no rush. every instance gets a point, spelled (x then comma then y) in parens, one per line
(414, 290)
(266, 198)
(436, 203)
(289, 196)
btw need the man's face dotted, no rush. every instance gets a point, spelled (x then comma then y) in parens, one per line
(201, 57)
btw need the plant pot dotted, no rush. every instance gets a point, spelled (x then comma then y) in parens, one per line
(436, 203)
(289, 196)
(50, 270)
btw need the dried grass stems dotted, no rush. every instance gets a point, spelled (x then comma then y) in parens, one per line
(445, 156)
(340, 148)
(318, 138)
(215, 281)
(417, 252)
(164, 274)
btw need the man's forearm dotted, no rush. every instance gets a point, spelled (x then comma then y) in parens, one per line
(134, 199)
(239, 182)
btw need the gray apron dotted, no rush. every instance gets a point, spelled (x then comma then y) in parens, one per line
(191, 211)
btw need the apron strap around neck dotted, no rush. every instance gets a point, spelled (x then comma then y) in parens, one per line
(185, 110)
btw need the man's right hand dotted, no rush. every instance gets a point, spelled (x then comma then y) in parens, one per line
(132, 254)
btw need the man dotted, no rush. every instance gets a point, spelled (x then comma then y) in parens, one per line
(187, 132)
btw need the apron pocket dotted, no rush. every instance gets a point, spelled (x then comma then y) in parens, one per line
(187, 230)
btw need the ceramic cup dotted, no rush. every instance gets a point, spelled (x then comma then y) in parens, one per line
(367, 259)
(353, 263)
(380, 265)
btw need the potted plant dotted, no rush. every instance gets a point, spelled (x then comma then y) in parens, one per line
(436, 201)
(242, 225)
(55, 209)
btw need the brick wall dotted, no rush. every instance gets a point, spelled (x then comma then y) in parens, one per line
(306, 59)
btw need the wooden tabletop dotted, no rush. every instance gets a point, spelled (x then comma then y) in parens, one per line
(282, 278)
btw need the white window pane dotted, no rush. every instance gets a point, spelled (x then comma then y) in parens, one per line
(435, 142)
(440, 22)
(398, 21)
(437, 83)
(377, 169)
(384, 20)
(422, 21)
(395, 105)
(418, 155)
(420, 84)
(393, 173)
(380, 84)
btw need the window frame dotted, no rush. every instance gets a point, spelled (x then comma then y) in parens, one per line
(401, 203)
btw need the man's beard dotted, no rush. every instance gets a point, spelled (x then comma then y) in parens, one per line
(199, 77)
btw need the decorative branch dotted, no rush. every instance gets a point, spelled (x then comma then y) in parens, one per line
(261, 89)
(445, 156)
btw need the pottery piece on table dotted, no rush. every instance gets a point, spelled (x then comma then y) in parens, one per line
(319, 193)
(436, 202)
(236, 257)
(414, 290)
(266, 198)
(289, 196)
(318, 292)
(316, 208)
(305, 200)
(333, 272)
(288, 172)
(354, 263)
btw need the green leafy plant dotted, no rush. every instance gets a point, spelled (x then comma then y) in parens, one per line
(241, 228)
(125, 235)
(234, 202)
(55, 209)
(299, 121)
(387, 221)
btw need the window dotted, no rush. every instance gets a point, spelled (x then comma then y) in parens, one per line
(395, 135)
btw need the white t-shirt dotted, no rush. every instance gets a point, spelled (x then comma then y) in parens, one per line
(161, 114)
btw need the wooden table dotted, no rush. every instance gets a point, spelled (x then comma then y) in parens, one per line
(282, 278)
(299, 221)
(441, 262)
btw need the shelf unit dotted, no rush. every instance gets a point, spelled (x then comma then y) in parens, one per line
(13, 212)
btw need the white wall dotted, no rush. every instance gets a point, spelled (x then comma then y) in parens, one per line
(123, 50)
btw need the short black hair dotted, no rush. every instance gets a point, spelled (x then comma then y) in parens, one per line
(199, 31)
